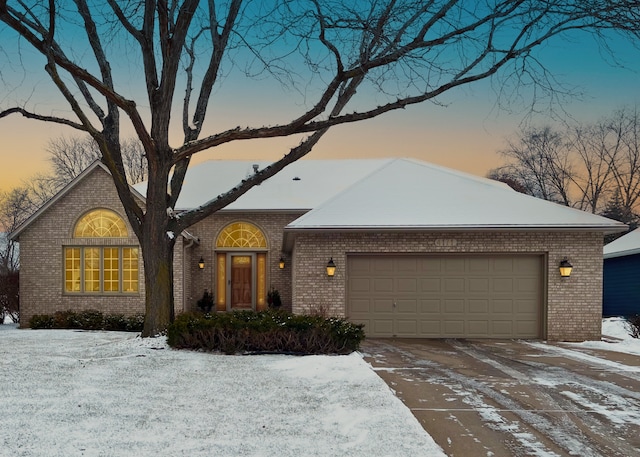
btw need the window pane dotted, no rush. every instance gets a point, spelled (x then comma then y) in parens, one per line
(91, 270)
(110, 269)
(130, 269)
(72, 269)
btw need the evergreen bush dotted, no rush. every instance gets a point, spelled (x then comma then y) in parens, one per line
(87, 320)
(634, 326)
(270, 331)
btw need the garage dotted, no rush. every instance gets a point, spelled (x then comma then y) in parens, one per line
(447, 296)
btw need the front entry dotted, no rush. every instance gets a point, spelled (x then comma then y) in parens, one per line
(241, 268)
(241, 282)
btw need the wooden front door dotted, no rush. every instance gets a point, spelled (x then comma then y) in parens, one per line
(241, 282)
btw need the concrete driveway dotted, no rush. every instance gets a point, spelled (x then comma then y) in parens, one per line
(515, 398)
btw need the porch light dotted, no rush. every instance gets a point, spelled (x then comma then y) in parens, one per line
(281, 263)
(331, 268)
(565, 268)
(201, 263)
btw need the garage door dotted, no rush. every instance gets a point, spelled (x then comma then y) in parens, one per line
(446, 296)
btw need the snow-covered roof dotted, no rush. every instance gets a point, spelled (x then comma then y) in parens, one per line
(406, 193)
(303, 185)
(628, 244)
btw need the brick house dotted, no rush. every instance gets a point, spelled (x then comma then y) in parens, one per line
(419, 250)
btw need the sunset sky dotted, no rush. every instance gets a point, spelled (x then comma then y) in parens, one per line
(466, 133)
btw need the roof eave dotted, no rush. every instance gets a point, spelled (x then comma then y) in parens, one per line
(605, 229)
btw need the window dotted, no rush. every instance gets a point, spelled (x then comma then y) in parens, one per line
(241, 235)
(100, 269)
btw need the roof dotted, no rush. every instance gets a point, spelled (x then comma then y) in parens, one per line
(303, 185)
(627, 244)
(406, 194)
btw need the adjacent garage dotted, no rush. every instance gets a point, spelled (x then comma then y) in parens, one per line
(447, 296)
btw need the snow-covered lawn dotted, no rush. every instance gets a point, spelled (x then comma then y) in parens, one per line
(73, 393)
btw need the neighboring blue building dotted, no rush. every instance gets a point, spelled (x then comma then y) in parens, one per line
(621, 288)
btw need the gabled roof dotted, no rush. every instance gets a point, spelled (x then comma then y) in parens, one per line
(303, 185)
(61, 193)
(627, 244)
(410, 194)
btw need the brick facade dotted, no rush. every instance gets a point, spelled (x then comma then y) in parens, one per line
(573, 306)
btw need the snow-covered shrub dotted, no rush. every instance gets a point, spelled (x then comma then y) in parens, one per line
(634, 326)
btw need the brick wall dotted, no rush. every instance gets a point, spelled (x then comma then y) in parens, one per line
(573, 306)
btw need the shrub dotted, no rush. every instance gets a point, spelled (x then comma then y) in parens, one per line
(87, 320)
(270, 331)
(634, 326)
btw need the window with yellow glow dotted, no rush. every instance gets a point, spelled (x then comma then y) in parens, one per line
(241, 235)
(101, 269)
(100, 223)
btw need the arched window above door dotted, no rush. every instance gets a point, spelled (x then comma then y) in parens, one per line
(241, 235)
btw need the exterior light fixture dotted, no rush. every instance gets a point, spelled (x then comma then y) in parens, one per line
(281, 263)
(201, 263)
(331, 268)
(565, 268)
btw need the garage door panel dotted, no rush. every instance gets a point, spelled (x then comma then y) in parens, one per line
(453, 306)
(430, 306)
(479, 306)
(383, 285)
(454, 285)
(481, 285)
(407, 327)
(382, 306)
(407, 306)
(503, 285)
(479, 328)
(360, 285)
(453, 328)
(430, 285)
(447, 296)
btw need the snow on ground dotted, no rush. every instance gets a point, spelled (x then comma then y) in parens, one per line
(75, 393)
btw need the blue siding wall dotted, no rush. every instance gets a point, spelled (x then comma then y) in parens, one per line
(621, 288)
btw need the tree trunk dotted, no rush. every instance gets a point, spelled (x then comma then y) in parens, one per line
(157, 245)
(158, 279)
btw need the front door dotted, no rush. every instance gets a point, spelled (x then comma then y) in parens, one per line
(241, 282)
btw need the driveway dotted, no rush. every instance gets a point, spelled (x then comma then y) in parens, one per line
(515, 398)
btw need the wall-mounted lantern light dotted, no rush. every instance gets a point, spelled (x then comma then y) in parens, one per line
(331, 268)
(201, 263)
(281, 263)
(565, 268)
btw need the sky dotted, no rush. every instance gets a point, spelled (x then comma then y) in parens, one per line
(465, 131)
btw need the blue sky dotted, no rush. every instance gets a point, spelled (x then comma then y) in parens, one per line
(466, 133)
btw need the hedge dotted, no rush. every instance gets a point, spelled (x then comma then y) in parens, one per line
(269, 331)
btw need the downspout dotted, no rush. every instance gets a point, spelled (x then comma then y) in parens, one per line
(192, 241)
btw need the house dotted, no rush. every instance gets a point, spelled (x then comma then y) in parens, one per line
(621, 290)
(419, 250)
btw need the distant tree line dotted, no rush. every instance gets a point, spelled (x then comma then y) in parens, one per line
(592, 167)
(68, 157)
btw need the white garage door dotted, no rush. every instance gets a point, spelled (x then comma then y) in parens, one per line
(488, 296)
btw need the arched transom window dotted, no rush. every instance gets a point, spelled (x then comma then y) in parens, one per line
(100, 223)
(241, 235)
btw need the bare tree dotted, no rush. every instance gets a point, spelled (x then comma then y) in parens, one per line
(539, 161)
(349, 61)
(70, 156)
(12, 214)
